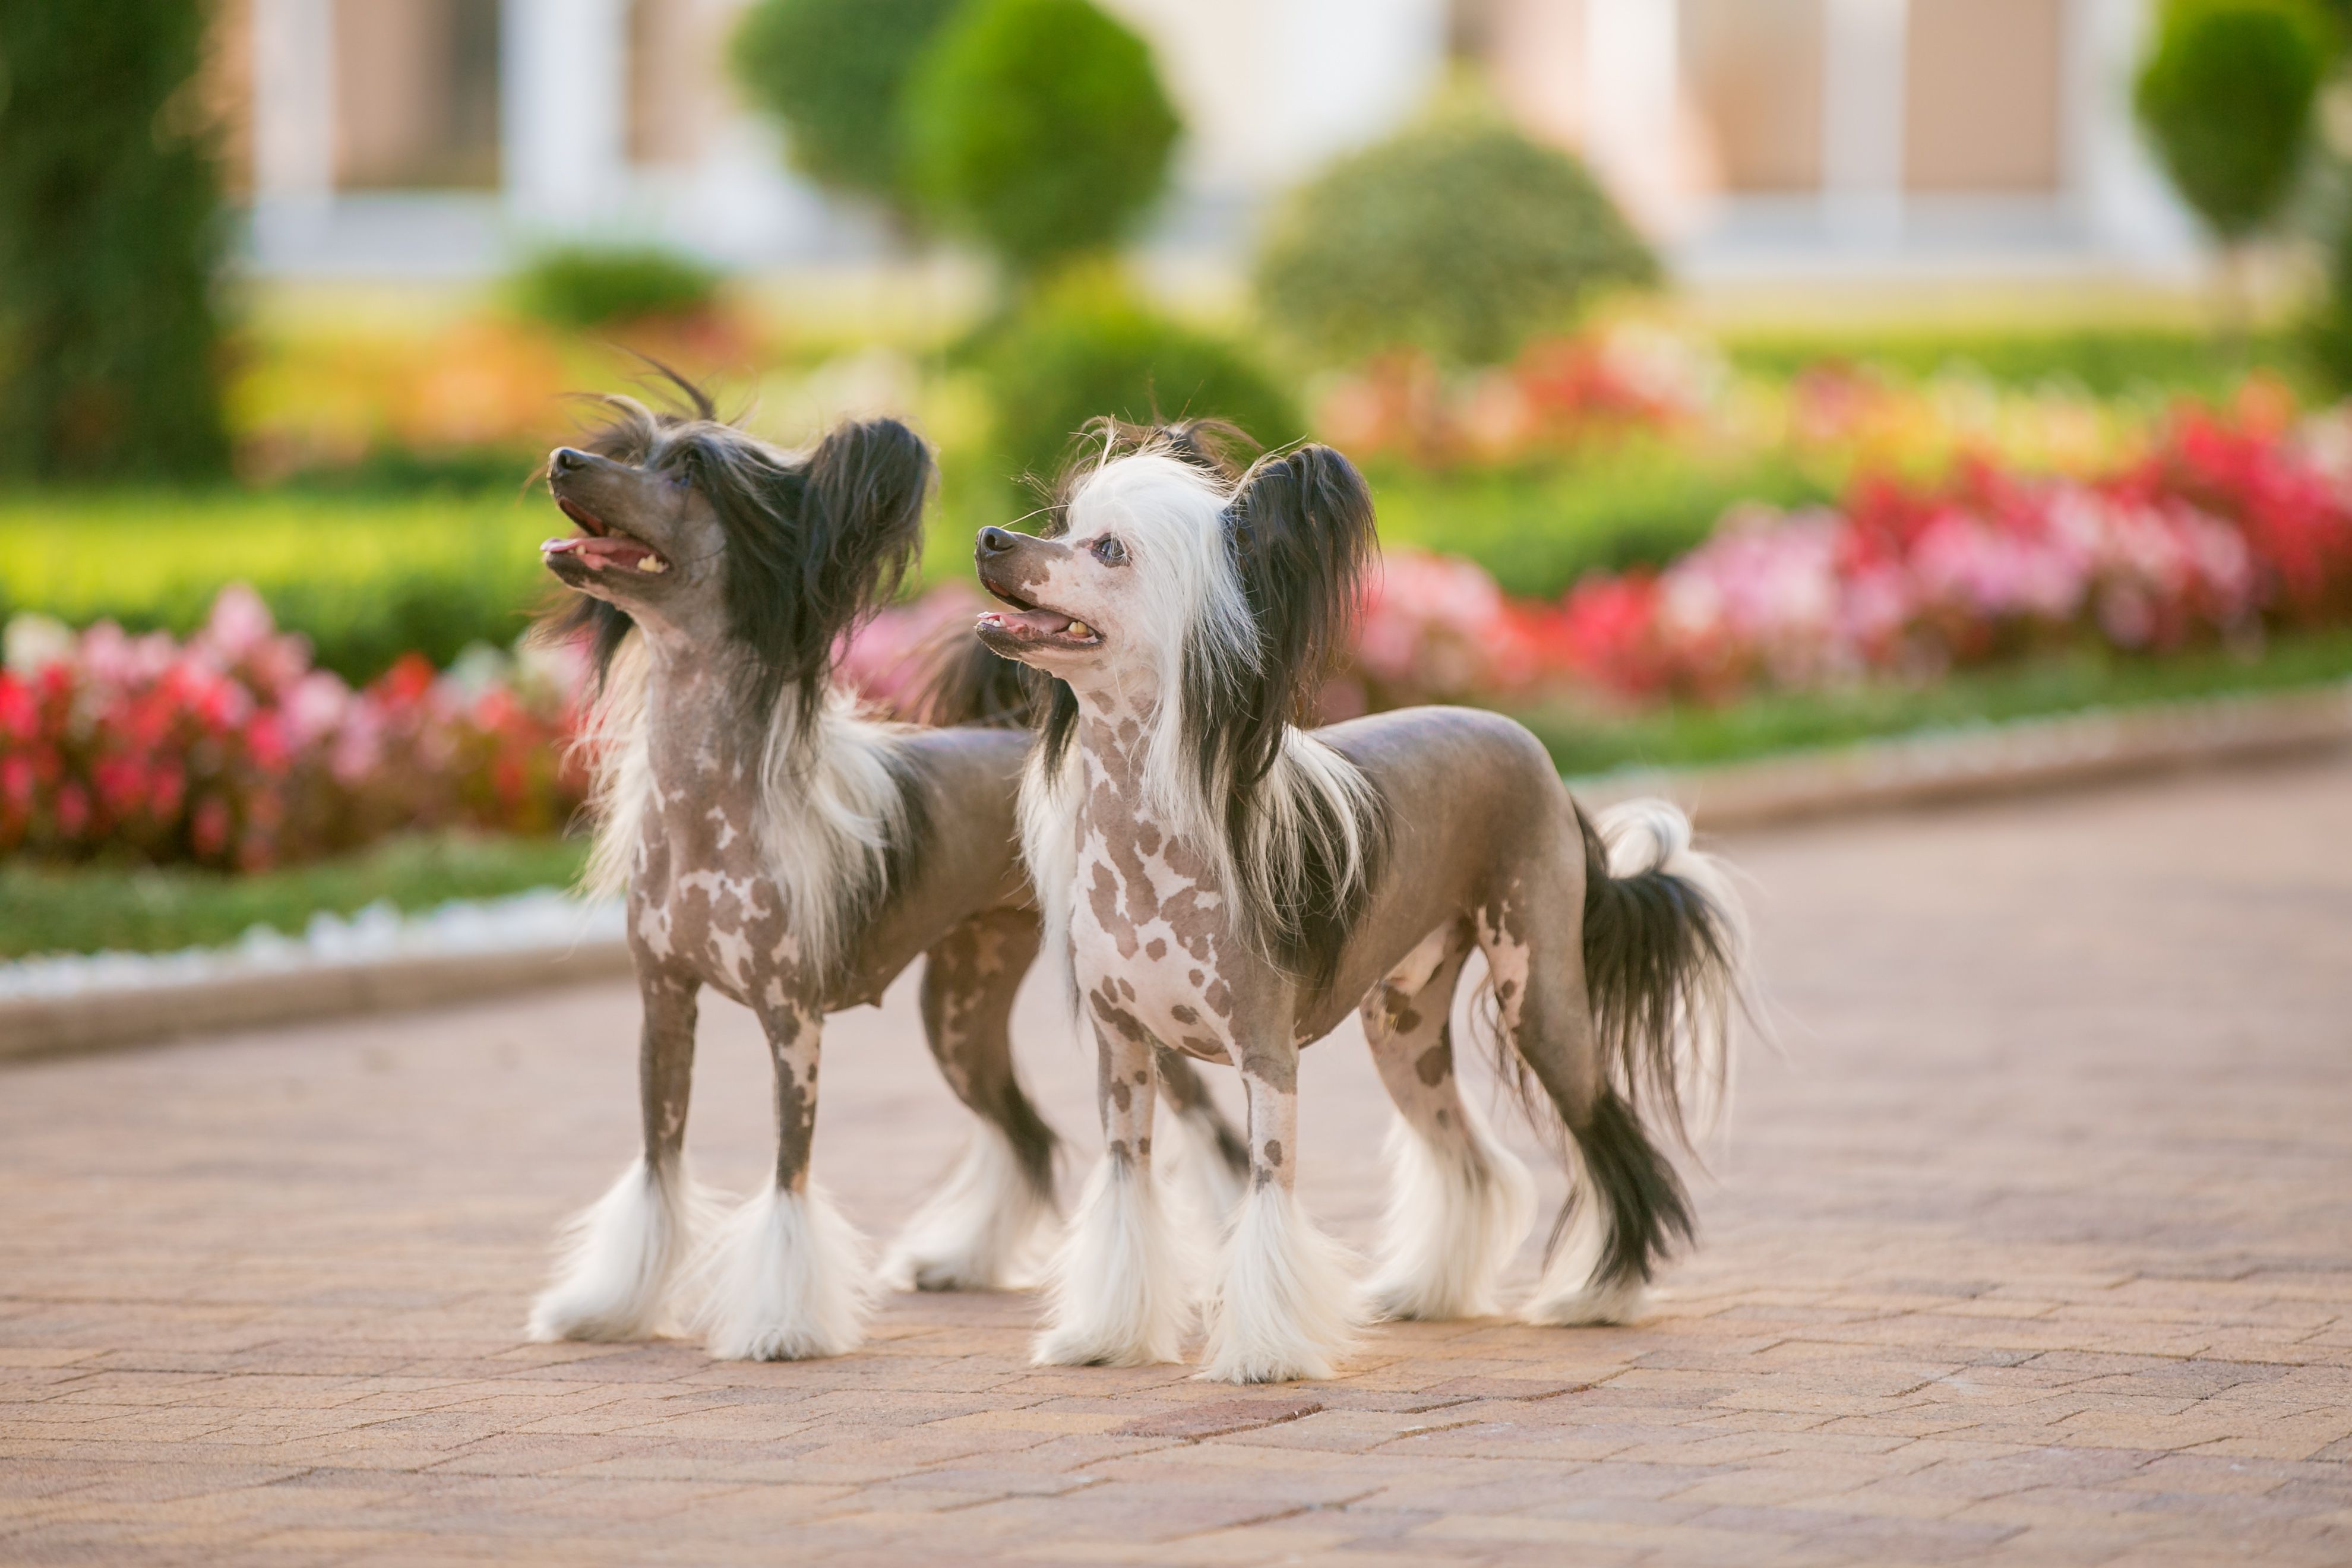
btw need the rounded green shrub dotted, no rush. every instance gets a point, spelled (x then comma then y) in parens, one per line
(1461, 238)
(2226, 97)
(833, 73)
(1038, 128)
(1087, 348)
(582, 286)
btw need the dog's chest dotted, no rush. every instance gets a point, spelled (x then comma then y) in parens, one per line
(1149, 936)
(701, 903)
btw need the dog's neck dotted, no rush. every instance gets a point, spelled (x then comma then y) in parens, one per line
(1116, 723)
(706, 750)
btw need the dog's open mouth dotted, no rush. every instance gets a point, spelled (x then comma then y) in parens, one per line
(1035, 626)
(599, 548)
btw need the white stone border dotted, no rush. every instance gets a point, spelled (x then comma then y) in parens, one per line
(378, 962)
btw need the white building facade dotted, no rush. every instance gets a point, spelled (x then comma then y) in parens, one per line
(1752, 138)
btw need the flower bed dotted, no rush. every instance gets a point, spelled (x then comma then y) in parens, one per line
(230, 751)
(2223, 526)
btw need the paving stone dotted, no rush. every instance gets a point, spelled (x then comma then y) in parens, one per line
(2030, 1247)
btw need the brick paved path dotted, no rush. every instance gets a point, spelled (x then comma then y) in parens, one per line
(2036, 1247)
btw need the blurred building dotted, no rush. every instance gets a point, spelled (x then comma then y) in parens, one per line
(1781, 138)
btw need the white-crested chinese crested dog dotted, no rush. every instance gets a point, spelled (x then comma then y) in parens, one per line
(788, 852)
(1232, 885)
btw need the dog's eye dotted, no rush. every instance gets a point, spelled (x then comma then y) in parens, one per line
(1111, 552)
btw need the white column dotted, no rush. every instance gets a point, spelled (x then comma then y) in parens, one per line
(1862, 120)
(293, 126)
(1632, 81)
(564, 110)
(2126, 206)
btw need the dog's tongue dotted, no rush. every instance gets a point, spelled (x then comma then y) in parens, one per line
(1034, 623)
(600, 551)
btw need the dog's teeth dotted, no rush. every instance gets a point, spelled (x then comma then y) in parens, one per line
(652, 564)
(1078, 629)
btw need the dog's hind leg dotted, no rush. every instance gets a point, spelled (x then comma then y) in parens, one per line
(1212, 1160)
(622, 1255)
(1121, 1291)
(1459, 1203)
(785, 1277)
(1626, 1207)
(980, 1230)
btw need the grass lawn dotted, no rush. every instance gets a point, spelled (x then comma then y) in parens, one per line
(1691, 736)
(90, 909)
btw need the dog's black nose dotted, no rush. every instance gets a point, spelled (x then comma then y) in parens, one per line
(564, 459)
(996, 542)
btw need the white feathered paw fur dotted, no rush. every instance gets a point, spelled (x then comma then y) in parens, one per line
(1119, 1291)
(1286, 1306)
(1456, 1216)
(985, 1228)
(784, 1277)
(620, 1258)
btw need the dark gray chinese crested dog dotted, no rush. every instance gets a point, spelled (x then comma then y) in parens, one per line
(1225, 882)
(796, 854)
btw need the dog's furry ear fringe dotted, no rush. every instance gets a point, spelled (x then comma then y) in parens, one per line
(1303, 535)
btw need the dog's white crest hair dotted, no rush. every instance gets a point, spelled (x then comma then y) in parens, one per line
(832, 800)
(1314, 807)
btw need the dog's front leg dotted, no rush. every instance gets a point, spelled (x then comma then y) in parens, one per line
(1285, 1305)
(786, 1278)
(623, 1255)
(1120, 1285)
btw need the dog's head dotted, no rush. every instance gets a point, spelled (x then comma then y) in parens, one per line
(706, 535)
(1165, 576)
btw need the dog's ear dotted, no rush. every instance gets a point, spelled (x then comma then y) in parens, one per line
(1302, 535)
(864, 511)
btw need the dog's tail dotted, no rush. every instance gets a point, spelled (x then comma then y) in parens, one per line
(970, 685)
(1665, 956)
(1664, 968)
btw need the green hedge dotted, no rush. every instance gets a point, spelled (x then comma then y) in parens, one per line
(366, 577)
(1539, 528)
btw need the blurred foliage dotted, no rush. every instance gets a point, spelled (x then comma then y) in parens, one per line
(2105, 361)
(1589, 743)
(2226, 96)
(1087, 347)
(366, 578)
(833, 73)
(579, 287)
(1536, 529)
(2327, 332)
(1038, 128)
(94, 909)
(1460, 239)
(110, 233)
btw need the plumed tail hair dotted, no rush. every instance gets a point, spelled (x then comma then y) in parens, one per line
(1665, 956)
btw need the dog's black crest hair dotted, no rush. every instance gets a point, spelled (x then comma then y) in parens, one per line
(813, 546)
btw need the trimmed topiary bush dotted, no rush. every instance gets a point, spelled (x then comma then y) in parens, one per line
(833, 73)
(1038, 128)
(1460, 239)
(109, 238)
(1087, 347)
(2226, 98)
(578, 286)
